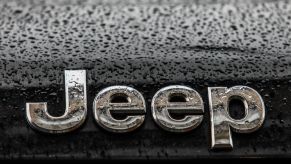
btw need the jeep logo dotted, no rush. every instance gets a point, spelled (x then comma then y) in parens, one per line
(134, 106)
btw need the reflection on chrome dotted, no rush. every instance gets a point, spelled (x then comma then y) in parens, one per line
(103, 106)
(131, 104)
(76, 107)
(221, 122)
(193, 103)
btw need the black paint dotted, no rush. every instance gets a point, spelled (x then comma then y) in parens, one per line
(146, 45)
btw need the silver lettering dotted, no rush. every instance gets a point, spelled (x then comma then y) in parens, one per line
(76, 107)
(104, 105)
(191, 103)
(219, 98)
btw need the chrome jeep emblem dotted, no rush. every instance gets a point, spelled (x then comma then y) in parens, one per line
(76, 107)
(103, 105)
(221, 122)
(193, 104)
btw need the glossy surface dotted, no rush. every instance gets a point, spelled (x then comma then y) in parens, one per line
(143, 42)
(146, 45)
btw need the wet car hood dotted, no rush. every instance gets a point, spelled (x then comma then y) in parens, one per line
(146, 45)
